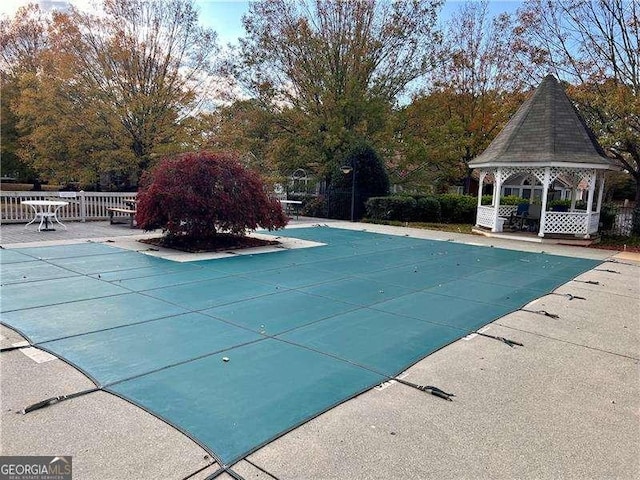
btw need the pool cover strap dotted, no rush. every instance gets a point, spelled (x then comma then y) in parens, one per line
(14, 347)
(543, 312)
(511, 343)
(427, 388)
(219, 471)
(570, 296)
(54, 400)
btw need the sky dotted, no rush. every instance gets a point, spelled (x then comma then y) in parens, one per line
(225, 16)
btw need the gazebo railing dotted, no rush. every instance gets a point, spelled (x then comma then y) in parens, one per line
(572, 223)
(507, 210)
(485, 214)
(577, 223)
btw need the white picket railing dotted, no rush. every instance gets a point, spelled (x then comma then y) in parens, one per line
(577, 223)
(82, 205)
(507, 210)
(485, 215)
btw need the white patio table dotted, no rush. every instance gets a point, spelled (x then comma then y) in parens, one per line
(46, 211)
(286, 204)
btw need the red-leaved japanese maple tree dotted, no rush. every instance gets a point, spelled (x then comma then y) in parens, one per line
(202, 194)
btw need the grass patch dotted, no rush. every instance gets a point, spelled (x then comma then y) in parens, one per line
(441, 227)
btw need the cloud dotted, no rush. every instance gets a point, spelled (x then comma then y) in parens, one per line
(10, 7)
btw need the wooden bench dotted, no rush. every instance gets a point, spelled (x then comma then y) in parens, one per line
(125, 211)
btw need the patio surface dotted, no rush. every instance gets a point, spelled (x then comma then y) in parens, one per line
(538, 411)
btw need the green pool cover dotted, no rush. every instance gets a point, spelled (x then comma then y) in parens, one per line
(237, 351)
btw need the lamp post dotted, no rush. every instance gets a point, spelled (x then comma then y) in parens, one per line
(346, 169)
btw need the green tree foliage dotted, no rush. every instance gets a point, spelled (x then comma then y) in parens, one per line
(595, 46)
(371, 180)
(21, 43)
(249, 129)
(12, 165)
(334, 68)
(202, 194)
(114, 90)
(471, 95)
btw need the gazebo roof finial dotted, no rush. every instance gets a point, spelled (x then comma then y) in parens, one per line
(547, 130)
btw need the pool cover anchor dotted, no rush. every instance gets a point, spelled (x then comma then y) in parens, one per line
(14, 347)
(589, 282)
(543, 312)
(510, 343)
(53, 400)
(613, 260)
(574, 297)
(605, 270)
(427, 389)
(570, 296)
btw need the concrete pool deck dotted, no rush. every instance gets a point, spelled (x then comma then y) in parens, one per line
(566, 405)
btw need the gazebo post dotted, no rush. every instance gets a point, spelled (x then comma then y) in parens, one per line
(592, 189)
(480, 183)
(497, 185)
(600, 193)
(543, 207)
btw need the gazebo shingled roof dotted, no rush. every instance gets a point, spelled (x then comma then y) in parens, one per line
(546, 130)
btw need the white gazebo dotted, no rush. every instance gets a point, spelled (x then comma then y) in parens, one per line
(546, 143)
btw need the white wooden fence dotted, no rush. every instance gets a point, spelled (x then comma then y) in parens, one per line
(82, 205)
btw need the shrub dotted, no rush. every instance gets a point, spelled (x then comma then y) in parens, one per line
(427, 210)
(506, 200)
(316, 207)
(201, 194)
(391, 208)
(559, 205)
(608, 216)
(458, 208)
(512, 200)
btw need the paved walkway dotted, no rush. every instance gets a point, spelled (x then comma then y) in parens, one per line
(14, 233)
(17, 233)
(565, 405)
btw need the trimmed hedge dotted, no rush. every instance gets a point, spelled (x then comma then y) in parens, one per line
(427, 210)
(458, 208)
(506, 200)
(447, 208)
(391, 208)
